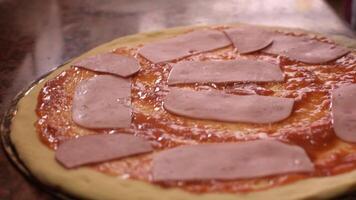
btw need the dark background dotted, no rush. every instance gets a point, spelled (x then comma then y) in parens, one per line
(38, 35)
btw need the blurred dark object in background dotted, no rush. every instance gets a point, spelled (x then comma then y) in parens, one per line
(352, 13)
(346, 9)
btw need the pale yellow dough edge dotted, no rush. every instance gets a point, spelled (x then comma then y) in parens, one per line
(90, 184)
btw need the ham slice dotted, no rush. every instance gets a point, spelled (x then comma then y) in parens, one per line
(99, 148)
(184, 45)
(282, 43)
(344, 112)
(228, 161)
(102, 102)
(304, 49)
(315, 52)
(111, 63)
(219, 106)
(248, 39)
(224, 71)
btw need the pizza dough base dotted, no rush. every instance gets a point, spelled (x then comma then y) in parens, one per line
(90, 184)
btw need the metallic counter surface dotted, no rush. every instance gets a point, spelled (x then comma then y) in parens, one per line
(38, 35)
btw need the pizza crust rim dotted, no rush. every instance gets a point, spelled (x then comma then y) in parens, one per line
(90, 184)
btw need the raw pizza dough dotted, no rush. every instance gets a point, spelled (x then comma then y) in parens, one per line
(90, 184)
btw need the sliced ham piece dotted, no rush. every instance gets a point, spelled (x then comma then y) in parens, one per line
(224, 71)
(304, 49)
(282, 43)
(184, 45)
(228, 161)
(248, 39)
(99, 148)
(315, 52)
(102, 102)
(219, 106)
(111, 63)
(344, 112)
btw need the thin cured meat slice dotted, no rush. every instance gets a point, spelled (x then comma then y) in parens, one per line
(103, 101)
(111, 63)
(228, 161)
(224, 72)
(248, 39)
(99, 148)
(344, 112)
(184, 45)
(315, 52)
(219, 106)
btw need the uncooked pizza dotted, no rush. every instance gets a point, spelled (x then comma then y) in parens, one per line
(225, 112)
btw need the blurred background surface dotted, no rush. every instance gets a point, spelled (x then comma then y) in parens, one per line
(38, 35)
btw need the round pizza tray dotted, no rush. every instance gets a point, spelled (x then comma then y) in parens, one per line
(9, 149)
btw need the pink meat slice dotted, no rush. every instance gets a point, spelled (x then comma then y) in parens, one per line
(315, 52)
(304, 49)
(219, 106)
(103, 101)
(229, 161)
(344, 112)
(282, 43)
(99, 148)
(111, 63)
(184, 45)
(224, 72)
(248, 39)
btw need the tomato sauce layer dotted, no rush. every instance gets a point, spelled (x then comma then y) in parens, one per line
(309, 126)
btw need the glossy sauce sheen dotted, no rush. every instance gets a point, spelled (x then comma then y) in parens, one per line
(309, 125)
